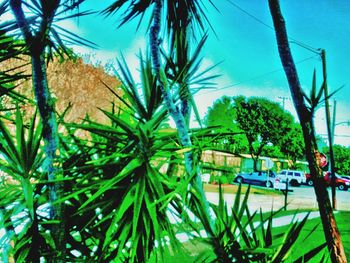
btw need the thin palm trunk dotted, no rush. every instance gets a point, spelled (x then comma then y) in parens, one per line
(46, 106)
(36, 42)
(182, 59)
(330, 228)
(174, 111)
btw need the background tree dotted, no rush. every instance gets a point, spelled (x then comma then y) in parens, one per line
(292, 145)
(222, 116)
(270, 129)
(341, 159)
(74, 81)
(262, 121)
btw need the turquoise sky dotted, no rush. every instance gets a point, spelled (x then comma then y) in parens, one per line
(246, 46)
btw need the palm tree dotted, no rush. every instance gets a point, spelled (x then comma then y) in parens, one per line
(42, 41)
(305, 114)
(119, 198)
(181, 15)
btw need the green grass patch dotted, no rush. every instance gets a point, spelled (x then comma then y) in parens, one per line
(190, 251)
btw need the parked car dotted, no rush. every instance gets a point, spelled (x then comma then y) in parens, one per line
(342, 182)
(258, 178)
(295, 178)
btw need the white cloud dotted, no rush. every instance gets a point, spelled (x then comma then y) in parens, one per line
(6, 17)
(70, 25)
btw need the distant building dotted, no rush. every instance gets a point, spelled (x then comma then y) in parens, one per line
(219, 163)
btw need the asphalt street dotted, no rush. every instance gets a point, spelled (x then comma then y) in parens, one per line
(302, 197)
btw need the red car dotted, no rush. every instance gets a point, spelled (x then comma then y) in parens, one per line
(342, 183)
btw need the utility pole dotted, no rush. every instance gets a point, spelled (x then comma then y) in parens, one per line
(334, 116)
(329, 131)
(283, 99)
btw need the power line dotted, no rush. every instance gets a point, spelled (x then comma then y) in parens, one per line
(250, 15)
(255, 78)
(291, 39)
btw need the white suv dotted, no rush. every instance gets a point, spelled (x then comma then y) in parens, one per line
(295, 178)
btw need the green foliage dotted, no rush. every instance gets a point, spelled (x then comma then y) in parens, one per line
(262, 121)
(9, 49)
(292, 145)
(242, 236)
(341, 159)
(53, 37)
(221, 113)
(267, 129)
(316, 98)
(190, 9)
(119, 189)
(24, 190)
(265, 123)
(222, 116)
(185, 73)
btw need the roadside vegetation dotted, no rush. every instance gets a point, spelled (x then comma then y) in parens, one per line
(191, 250)
(122, 189)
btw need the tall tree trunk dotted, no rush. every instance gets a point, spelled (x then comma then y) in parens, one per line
(330, 228)
(46, 107)
(174, 111)
(36, 43)
(182, 57)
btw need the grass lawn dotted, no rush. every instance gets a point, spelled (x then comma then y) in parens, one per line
(343, 219)
(191, 250)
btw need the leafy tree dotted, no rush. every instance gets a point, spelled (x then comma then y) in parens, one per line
(341, 159)
(306, 114)
(292, 145)
(262, 121)
(221, 114)
(272, 151)
(229, 136)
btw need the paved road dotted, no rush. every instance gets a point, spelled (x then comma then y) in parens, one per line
(302, 197)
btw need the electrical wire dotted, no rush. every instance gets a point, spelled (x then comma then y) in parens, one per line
(255, 77)
(291, 39)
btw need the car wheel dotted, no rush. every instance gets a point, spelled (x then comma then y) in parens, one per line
(239, 180)
(310, 183)
(268, 184)
(342, 187)
(294, 183)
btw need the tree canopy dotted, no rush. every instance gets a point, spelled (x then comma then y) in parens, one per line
(266, 126)
(341, 159)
